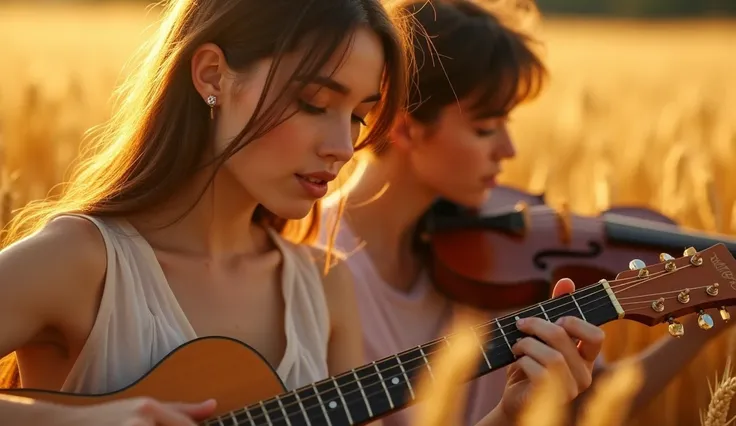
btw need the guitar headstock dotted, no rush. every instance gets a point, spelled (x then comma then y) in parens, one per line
(674, 287)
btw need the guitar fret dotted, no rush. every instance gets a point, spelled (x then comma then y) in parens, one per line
(342, 399)
(283, 410)
(544, 312)
(482, 350)
(356, 406)
(322, 405)
(242, 417)
(426, 362)
(219, 420)
(265, 413)
(331, 398)
(503, 333)
(362, 391)
(304, 411)
(576, 304)
(408, 382)
(383, 383)
(374, 386)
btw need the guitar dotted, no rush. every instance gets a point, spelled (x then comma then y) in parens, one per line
(250, 393)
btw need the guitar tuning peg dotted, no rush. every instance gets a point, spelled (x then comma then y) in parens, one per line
(725, 316)
(705, 321)
(690, 251)
(639, 265)
(675, 328)
(669, 262)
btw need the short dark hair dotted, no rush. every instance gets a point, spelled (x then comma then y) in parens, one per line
(463, 50)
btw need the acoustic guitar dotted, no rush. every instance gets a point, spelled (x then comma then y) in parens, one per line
(250, 393)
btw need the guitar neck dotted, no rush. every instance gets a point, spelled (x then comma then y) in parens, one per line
(387, 385)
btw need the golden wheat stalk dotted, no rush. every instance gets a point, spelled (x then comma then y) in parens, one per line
(612, 395)
(441, 392)
(545, 406)
(720, 399)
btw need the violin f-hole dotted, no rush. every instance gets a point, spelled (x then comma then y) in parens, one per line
(595, 250)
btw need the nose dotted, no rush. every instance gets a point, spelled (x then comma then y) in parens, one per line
(337, 146)
(504, 147)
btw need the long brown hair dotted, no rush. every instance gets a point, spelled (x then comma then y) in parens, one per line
(157, 138)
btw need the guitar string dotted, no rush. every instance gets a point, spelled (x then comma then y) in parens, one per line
(346, 396)
(279, 414)
(636, 281)
(633, 281)
(625, 281)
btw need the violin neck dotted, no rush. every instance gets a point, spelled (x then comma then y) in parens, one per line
(626, 230)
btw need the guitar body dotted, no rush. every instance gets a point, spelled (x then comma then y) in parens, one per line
(210, 367)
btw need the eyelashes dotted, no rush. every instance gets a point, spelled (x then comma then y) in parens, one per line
(315, 110)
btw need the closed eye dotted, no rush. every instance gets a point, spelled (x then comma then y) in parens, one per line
(485, 132)
(315, 110)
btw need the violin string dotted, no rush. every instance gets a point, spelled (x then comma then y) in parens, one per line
(626, 281)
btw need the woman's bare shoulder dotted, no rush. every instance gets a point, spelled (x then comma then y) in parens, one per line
(48, 275)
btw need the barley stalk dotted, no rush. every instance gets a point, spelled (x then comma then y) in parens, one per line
(720, 401)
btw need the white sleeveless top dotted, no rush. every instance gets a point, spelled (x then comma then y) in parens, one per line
(139, 320)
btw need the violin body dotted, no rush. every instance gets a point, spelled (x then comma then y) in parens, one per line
(512, 252)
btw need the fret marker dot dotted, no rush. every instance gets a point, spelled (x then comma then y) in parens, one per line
(395, 380)
(332, 404)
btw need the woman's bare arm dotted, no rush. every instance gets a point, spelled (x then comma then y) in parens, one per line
(47, 278)
(24, 411)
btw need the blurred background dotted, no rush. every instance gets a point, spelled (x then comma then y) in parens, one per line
(640, 110)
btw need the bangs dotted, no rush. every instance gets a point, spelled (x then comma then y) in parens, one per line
(510, 79)
(465, 53)
(508, 76)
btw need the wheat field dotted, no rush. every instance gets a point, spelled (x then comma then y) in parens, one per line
(636, 113)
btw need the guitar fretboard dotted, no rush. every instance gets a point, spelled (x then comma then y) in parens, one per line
(382, 387)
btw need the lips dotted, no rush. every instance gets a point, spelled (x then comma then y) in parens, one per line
(312, 179)
(315, 184)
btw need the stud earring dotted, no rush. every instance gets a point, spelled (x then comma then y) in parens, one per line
(212, 101)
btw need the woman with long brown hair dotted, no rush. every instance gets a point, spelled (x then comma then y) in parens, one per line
(473, 69)
(188, 217)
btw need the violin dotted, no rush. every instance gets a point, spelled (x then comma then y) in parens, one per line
(512, 251)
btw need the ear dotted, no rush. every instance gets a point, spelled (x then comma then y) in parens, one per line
(406, 132)
(208, 67)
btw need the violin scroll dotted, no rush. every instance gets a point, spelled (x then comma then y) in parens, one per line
(661, 292)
